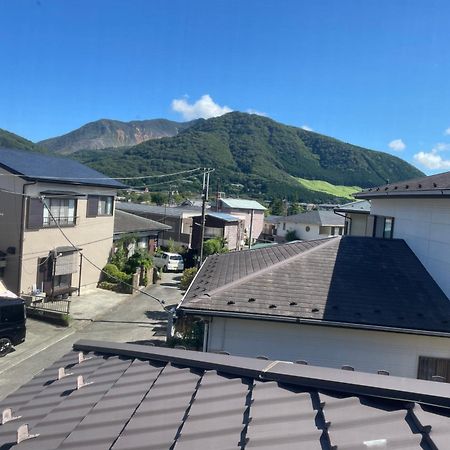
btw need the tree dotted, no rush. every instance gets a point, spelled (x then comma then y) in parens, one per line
(291, 235)
(277, 207)
(214, 245)
(295, 208)
(160, 198)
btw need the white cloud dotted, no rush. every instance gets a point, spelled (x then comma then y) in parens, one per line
(306, 127)
(447, 132)
(432, 159)
(258, 113)
(204, 107)
(397, 144)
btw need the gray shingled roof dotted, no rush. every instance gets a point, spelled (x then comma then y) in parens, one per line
(141, 397)
(366, 282)
(431, 186)
(130, 223)
(56, 169)
(316, 217)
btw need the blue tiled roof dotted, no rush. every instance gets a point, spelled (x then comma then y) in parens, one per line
(37, 166)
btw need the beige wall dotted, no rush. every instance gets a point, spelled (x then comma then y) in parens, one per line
(358, 225)
(245, 215)
(365, 350)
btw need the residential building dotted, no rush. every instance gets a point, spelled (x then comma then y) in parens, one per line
(356, 216)
(310, 225)
(250, 211)
(221, 225)
(269, 233)
(125, 396)
(358, 301)
(417, 211)
(52, 210)
(179, 219)
(144, 232)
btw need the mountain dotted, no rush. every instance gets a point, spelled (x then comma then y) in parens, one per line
(107, 133)
(263, 156)
(11, 140)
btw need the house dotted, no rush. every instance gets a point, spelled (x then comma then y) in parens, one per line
(144, 232)
(269, 232)
(417, 211)
(356, 217)
(179, 219)
(221, 225)
(250, 211)
(364, 302)
(310, 225)
(53, 210)
(106, 395)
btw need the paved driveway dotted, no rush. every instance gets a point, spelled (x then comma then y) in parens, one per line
(137, 319)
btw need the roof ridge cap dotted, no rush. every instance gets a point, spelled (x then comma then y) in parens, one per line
(275, 266)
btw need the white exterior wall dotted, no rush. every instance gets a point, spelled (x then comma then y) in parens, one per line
(365, 350)
(300, 230)
(425, 226)
(358, 225)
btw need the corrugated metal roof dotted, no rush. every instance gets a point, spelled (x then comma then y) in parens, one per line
(223, 216)
(351, 280)
(139, 397)
(241, 203)
(130, 223)
(38, 166)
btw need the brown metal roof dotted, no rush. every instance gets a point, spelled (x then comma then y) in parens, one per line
(138, 397)
(431, 186)
(358, 281)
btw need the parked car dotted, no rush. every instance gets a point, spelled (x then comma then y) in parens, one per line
(12, 324)
(168, 261)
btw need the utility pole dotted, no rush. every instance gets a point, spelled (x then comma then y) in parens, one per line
(251, 230)
(205, 190)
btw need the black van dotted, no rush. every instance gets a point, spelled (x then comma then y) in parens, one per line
(12, 323)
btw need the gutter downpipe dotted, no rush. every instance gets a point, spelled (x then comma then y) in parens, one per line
(345, 218)
(22, 228)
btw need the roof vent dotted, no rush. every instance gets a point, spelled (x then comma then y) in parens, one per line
(292, 303)
(302, 362)
(382, 372)
(81, 383)
(315, 310)
(62, 373)
(7, 416)
(272, 306)
(223, 352)
(396, 187)
(82, 358)
(350, 368)
(180, 347)
(265, 358)
(434, 185)
(230, 302)
(407, 186)
(386, 188)
(23, 433)
(251, 299)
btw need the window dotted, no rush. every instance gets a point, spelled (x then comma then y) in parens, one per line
(384, 227)
(284, 226)
(430, 367)
(62, 212)
(307, 228)
(99, 205)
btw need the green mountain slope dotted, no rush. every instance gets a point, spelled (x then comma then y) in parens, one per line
(106, 133)
(328, 188)
(11, 140)
(260, 154)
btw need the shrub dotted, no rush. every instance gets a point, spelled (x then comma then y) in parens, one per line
(140, 259)
(119, 258)
(107, 285)
(187, 277)
(112, 274)
(291, 235)
(214, 245)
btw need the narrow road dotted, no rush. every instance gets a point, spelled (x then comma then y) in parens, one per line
(139, 319)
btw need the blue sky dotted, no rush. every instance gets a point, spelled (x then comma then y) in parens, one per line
(372, 73)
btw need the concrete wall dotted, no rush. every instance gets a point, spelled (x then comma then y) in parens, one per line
(425, 225)
(365, 350)
(232, 235)
(93, 234)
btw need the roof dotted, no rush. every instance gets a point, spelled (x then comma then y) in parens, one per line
(223, 216)
(273, 219)
(130, 223)
(431, 186)
(241, 203)
(54, 169)
(137, 397)
(350, 281)
(140, 208)
(316, 217)
(360, 207)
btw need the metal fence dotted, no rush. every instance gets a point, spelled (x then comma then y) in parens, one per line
(59, 306)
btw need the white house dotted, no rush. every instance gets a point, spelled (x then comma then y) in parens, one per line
(417, 211)
(345, 301)
(310, 225)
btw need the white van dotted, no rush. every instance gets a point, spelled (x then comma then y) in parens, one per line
(168, 261)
